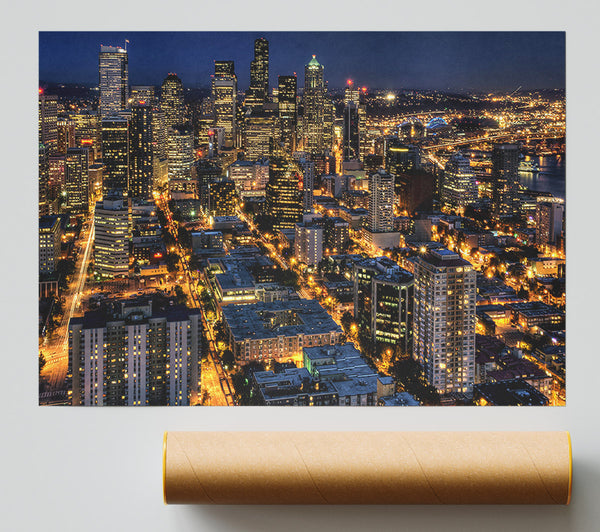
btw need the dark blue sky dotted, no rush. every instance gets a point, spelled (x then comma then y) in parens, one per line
(436, 60)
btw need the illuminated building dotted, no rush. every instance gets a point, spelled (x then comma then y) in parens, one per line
(140, 151)
(549, 222)
(206, 172)
(88, 132)
(224, 93)
(47, 121)
(250, 177)
(459, 187)
(65, 135)
(381, 203)
(43, 180)
(49, 249)
(400, 157)
(505, 180)
(308, 243)
(313, 100)
(351, 139)
(223, 198)
(160, 148)
(77, 180)
(259, 75)
(328, 120)
(383, 302)
(308, 182)
(114, 80)
(115, 155)
(111, 243)
(181, 158)
(171, 101)
(287, 109)
(355, 123)
(129, 353)
(143, 94)
(56, 181)
(283, 194)
(444, 320)
(258, 135)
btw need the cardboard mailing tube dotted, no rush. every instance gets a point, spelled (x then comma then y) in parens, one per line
(367, 468)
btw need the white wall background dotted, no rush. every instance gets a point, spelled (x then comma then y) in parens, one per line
(100, 469)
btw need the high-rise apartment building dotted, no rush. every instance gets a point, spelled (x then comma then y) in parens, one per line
(258, 92)
(140, 151)
(313, 101)
(287, 110)
(49, 235)
(77, 180)
(172, 101)
(549, 222)
(224, 93)
(308, 183)
(381, 203)
(111, 240)
(114, 80)
(383, 303)
(181, 157)
(444, 320)
(505, 180)
(65, 135)
(130, 353)
(48, 121)
(143, 95)
(459, 187)
(43, 179)
(115, 155)
(222, 198)
(308, 243)
(283, 194)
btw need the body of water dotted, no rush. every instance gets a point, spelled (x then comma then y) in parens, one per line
(550, 178)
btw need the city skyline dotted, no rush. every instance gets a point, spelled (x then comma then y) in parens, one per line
(379, 60)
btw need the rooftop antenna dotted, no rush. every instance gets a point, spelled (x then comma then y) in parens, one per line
(126, 43)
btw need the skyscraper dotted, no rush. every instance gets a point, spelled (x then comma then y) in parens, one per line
(114, 80)
(258, 92)
(505, 180)
(351, 138)
(140, 151)
(111, 245)
(381, 203)
(313, 100)
(77, 180)
(115, 155)
(47, 121)
(258, 135)
(444, 320)
(308, 183)
(224, 91)
(43, 179)
(171, 100)
(181, 158)
(283, 194)
(308, 243)
(287, 109)
(459, 187)
(549, 222)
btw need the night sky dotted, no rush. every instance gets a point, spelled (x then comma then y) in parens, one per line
(425, 60)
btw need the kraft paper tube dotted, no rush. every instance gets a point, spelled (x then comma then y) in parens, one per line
(367, 468)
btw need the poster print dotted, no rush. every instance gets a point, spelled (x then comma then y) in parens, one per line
(295, 218)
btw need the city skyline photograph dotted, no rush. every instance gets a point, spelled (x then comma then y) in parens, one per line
(302, 218)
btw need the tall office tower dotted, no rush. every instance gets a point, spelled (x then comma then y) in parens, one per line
(355, 95)
(131, 352)
(160, 149)
(381, 202)
(171, 101)
(328, 121)
(143, 94)
(287, 110)
(77, 188)
(259, 132)
(111, 244)
(351, 138)
(308, 183)
(140, 151)
(206, 172)
(65, 135)
(505, 180)
(383, 302)
(459, 187)
(549, 222)
(444, 320)
(258, 92)
(43, 180)
(114, 80)
(223, 198)
(49, 229)
(283, 194)
(56, 181)
(181, 157)
(115, 155)
(400, 157)
(308, 243)
(313, 100)
(47, 121)
(224, 93)
(88, 132)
